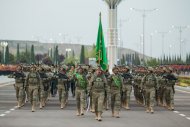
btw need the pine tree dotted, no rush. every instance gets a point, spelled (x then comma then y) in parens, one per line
(18, 54)
(7, 55)
(82, 55)
(32, 54)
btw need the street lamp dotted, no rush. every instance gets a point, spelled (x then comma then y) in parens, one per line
(163, 33)
(4, 45)
(144, 13)
(68, 50)
(151, 35)
(180, 29)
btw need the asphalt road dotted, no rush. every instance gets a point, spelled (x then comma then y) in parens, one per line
(53, 116)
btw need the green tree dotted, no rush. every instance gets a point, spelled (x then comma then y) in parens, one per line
(152, 62)
(32, 54)
(7, 55)
(18, 54)
(82, 55)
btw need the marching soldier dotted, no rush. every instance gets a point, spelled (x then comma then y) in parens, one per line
(98, 87)
(34, 85)
(169, 89)
(19, 77)
(62, 86)
(127, 87)
(80, 92)
(149, 85)
(116, 89)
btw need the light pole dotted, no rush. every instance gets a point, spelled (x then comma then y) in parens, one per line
(151, 35)
(144, 13)
(4, 45)
(68, 50)
(163, 34)
(180, 29)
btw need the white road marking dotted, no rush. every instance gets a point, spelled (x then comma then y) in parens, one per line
(2, 115)
(182, 115)
(12, 109)
(188, 118)
(175, 111)
(182, 91)
(7, 112)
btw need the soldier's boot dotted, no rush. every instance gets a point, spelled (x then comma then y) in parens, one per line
(151, 110)
(127, 106)
(33, 106)
(99, 116)
(117, 114)
(82, 111)
(96, 118)
(113, 113)
(147, 109)
(172, 107)
(62, 105)
(40, 105)
(78, 112)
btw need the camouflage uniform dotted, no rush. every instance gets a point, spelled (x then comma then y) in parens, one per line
(127, 88)
(80, 92)
(34, 86)
(62, 84)
(116, 89)
(149, 84)
(98, 87)
(19, 86)
(169, 89)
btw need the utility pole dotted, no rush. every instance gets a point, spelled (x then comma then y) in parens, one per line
(144, 13)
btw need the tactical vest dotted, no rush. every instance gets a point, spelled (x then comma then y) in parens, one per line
(81, 83)
(116, 83)
(150, 81)
(33, 78)
(98, 84)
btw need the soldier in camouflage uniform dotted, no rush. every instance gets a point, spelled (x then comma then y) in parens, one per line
(116, 89)
(43, 93)
(80, 92)
(127, 87)
(149, 85)
(169, 89)
(34, 85)
(107, 99)
(62, 85)
(98, 87)
(19, 86)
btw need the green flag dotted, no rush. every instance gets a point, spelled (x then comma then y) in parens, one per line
(101, 56)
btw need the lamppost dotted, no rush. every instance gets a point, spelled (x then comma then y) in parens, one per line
(144, 13)
(4, 45)
(68, 50)
(151, 35)
(163, 34)
(180, 29)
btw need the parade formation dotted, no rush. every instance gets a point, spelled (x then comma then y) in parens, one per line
(95, 90)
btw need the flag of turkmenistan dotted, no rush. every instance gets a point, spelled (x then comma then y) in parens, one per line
(101, 56)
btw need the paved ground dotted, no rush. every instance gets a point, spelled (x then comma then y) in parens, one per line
(53, 116)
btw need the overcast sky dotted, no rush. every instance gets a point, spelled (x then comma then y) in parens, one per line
(77, 20)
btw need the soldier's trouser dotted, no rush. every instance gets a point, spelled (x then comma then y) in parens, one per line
(27, 94)
(33, 91)
(150, 97)
(80, 99)
(126, 94)
(20, 95)
(169, 95)
(115, 100)
(98, 99)
(162, 95)
(72, 84)
(62, 94)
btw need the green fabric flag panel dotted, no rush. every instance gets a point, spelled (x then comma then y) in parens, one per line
(101, 56)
